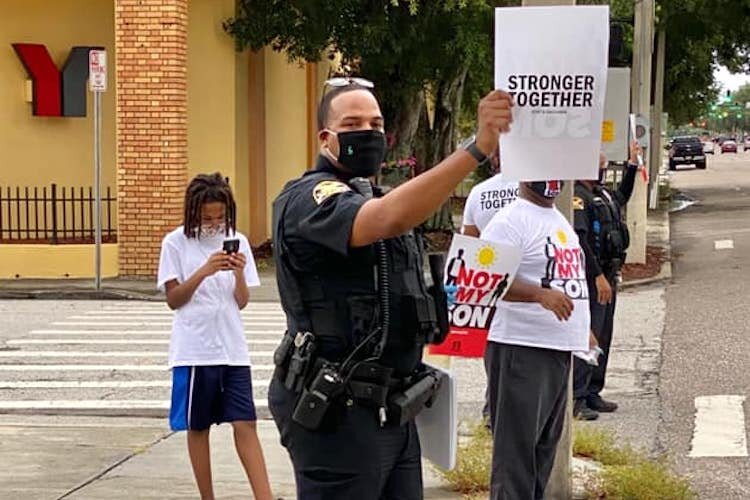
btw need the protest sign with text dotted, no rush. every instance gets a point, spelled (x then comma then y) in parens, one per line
(482, 272)
(553, 61)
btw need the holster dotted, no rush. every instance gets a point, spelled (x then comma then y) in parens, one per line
(294, 359)
(405, 405)
(370, 384)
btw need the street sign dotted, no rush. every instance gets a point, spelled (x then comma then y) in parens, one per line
(98, 70)
(97, 85)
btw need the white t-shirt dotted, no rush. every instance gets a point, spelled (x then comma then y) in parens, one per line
(551, 257)
(486, 198)
(208, 330)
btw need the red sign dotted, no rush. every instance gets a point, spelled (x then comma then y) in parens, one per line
(56, 93)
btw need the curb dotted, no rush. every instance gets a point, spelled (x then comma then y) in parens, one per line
(664, 275)
(66, 294)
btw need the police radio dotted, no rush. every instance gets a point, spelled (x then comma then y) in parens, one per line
(315, 401)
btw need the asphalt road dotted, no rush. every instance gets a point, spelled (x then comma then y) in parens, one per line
(705, 345)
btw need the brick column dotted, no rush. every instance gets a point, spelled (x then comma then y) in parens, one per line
(151, 59)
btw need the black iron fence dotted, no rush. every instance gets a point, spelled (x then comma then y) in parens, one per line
(54, 215)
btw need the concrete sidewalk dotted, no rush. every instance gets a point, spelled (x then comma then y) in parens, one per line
(67, 457)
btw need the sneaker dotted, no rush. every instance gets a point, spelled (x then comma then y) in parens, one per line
(596, 403)
(583, 412)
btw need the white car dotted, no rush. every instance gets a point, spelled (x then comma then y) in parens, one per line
(708, 147)
(747, 143)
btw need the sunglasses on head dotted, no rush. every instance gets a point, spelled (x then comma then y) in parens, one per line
(345, 81)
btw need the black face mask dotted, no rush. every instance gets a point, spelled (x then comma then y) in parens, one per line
(362, 151)
(547, 189)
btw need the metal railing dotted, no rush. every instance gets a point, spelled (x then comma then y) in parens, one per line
(54, 215)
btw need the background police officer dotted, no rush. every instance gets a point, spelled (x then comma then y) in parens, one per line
(331, 237)
(604, 238)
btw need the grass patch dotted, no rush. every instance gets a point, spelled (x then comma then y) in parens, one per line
(471, 476)
(599, 445)
(627, 474)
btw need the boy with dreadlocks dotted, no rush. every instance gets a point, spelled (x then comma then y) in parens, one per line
(208, 355)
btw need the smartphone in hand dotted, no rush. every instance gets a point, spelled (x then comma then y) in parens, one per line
(231, 246)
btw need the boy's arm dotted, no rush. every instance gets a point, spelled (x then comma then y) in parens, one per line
(241, 292)
(179, 294)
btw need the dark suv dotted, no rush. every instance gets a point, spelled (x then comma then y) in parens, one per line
(686, 150)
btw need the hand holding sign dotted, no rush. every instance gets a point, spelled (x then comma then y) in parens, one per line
(494, 117)
(636, 152)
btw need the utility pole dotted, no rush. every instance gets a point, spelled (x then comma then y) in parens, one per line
(560, 486)
(655, 158)
(640, 103)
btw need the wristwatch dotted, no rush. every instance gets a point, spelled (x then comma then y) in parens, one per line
(470, 145)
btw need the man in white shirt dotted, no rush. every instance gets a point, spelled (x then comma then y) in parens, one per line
(486, 198)
(541, 320)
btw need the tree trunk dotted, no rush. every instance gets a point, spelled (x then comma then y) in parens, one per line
(440, 141)
(402, 122)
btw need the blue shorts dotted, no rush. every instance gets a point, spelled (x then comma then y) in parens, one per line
(205, 395)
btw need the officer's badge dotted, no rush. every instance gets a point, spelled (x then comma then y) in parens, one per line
(325, 189)
(578, 203)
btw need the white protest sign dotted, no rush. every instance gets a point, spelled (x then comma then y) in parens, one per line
(482, 272)
(615, 131)
(553, 60)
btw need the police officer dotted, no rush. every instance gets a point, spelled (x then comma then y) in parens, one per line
(605, 239)
(348, 377)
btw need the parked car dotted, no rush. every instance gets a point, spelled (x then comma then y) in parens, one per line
(709, 147)
(746, 145)
(686, 150)
(728, 147)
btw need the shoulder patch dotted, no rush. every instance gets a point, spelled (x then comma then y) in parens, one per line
(578, 203)
(325, 189)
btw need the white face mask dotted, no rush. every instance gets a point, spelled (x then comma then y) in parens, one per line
(212, 231)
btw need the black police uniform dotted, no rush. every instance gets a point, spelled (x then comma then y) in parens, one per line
(604, 237)
(360, 450)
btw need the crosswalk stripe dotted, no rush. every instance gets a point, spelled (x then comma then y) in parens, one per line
(247, 317)
(138, 323)
(151, 333)
(269, 313)
(96, 384)
(113, 341)
(104, 354)
(162, 307)
(723, 245)
(50, 371)
(130, 332)
(719, 427)
(96, 404)
(107, 368)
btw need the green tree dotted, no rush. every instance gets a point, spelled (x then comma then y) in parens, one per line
(415, 51)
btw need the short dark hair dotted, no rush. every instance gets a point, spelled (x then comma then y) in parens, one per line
(324, 109)
(207, 189)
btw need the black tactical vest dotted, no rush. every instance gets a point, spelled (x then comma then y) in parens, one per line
(336, 298)
(611, 235)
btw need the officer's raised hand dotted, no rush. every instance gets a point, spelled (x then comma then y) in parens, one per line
(494, 117)
(413, 202)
